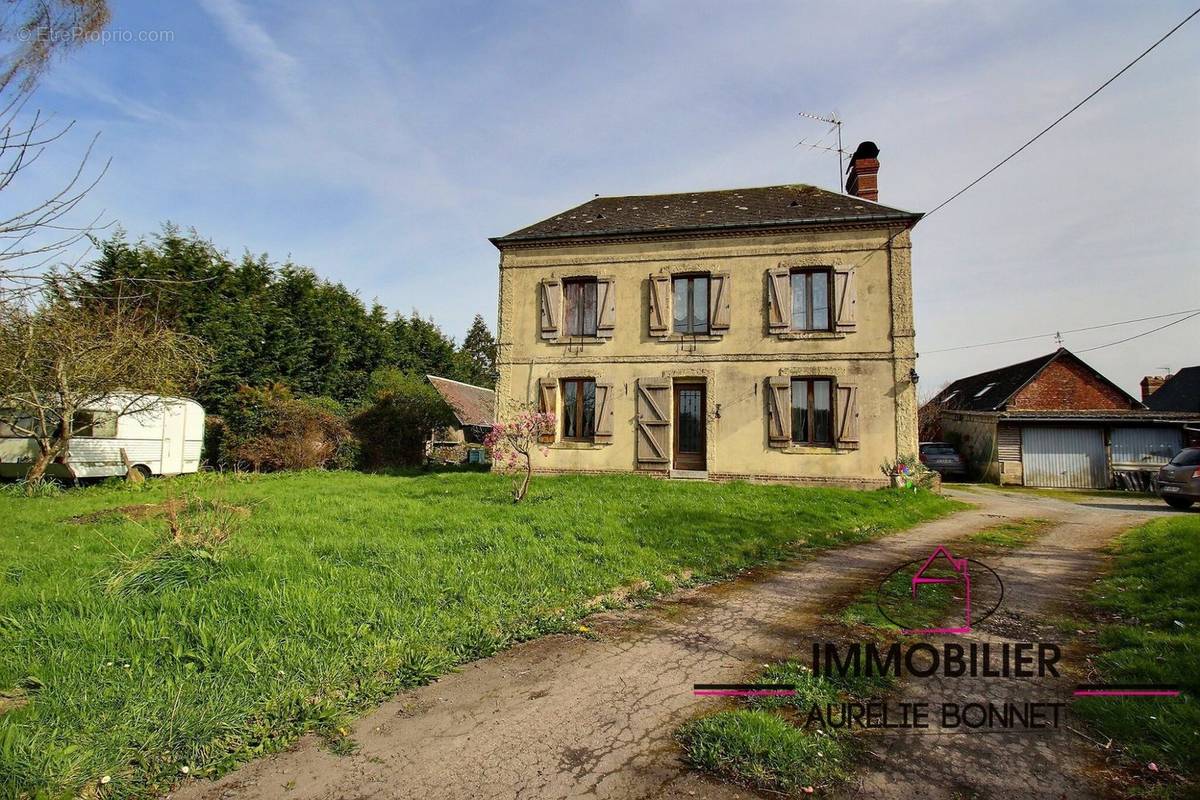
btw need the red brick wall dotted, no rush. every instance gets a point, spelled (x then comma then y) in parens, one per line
(1066, 385)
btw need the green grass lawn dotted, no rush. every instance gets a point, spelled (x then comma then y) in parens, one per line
(1155, 591)
(121, 659)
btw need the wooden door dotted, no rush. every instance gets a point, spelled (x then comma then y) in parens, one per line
(690, 419)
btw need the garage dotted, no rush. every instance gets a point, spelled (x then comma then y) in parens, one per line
(1145, 446)
(1064, 457)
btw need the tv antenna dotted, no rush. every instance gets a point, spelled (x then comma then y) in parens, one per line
(835, 126)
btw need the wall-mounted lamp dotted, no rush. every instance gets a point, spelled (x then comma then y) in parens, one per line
(913, 376)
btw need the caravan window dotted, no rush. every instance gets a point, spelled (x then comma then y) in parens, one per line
(20, 419)
(94, 425)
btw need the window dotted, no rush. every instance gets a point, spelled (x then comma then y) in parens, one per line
(690, 295)
(810, 300)
(812, 411)
(579, 409)
(581, 306)
(1187, 458)
(984, 390)
(94, 425)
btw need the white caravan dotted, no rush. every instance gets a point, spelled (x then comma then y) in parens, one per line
(164, 438)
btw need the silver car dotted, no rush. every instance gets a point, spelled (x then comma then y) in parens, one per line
(1179, 481)
(943, 458)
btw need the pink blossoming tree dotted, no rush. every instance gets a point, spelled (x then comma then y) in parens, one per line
(512, 444)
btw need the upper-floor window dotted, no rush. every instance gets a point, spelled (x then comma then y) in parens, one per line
(579, 409)
(811, 291)
(580, 295)
(690, 303)
(812, 410)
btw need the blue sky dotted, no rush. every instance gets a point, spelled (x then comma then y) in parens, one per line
(382, 143)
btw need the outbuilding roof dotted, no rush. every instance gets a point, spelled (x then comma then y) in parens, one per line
(472, 405)
(784, 206)
(1181, 392)
(994, 389)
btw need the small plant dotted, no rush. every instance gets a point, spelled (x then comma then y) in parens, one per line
(37, 487)
(907, 472)
(512, 444)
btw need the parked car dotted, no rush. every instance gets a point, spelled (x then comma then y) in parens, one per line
(1178, 482)
(943, 459)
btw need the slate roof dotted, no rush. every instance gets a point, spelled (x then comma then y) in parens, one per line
(961, 395)
(472, 405)
(727, 209)
(1181, 392)
(967, 394)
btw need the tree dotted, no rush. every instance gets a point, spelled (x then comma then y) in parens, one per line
(477, 356)
(58, 359)
(39, 233)
(44, 29)
(402, 412)
(511, 445)
(269, 428)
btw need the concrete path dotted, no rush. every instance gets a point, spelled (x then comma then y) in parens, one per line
(565, 717)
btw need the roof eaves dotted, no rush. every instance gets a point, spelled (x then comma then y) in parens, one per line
(865, 219)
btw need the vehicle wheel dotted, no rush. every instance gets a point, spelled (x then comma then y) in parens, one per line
(143, 470)
(1179, 502)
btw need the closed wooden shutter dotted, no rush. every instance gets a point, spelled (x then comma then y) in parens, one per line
(779, 294)
(779, 411)
(653, 422)
(548, 403)
(660, 305)
(1008, 443)
(606, 306)
(604, 412)
(845, 295)
(551, 291)
(718, 302)
(847, 416)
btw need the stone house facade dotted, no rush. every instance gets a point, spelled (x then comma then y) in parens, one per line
(761, 334)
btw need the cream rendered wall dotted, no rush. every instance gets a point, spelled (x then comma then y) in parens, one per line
(877, 356)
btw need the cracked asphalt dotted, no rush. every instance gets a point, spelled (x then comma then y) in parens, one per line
(569, 716)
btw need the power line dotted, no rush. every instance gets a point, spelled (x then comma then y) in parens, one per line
(1140, 335)
(1073, 109)
(1192, 311)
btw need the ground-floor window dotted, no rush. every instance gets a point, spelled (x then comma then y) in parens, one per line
(579, 409)
(812, 410)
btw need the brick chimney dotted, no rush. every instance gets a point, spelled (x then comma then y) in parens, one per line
(1150, 385)
(862, 180)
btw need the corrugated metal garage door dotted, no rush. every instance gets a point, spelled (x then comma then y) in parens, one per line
(1068, 458)
(1145, 446)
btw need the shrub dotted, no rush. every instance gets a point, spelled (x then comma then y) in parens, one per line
(270, 429)
(402, 412)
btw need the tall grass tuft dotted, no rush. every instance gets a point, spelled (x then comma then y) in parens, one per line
(194, 531)
(38, 487)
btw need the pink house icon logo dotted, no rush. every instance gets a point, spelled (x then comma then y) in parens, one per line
(953, 571)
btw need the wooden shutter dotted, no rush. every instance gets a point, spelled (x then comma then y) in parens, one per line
(845, 298)
(779, 285)
(779, 411)
(548, 402)
(552, 299)
(653, 423)
(606, 306)
(604, 412)
(718, 301)
(847, 416)
(660, 305)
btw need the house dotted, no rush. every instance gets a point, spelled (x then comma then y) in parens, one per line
(472, 407)
(762, 333)
(962, 575)
(1180, 393)
(1055, 421)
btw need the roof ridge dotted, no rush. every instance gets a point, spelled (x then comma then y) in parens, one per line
(460, 383)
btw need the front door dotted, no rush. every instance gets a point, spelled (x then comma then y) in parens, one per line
(689, 426)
